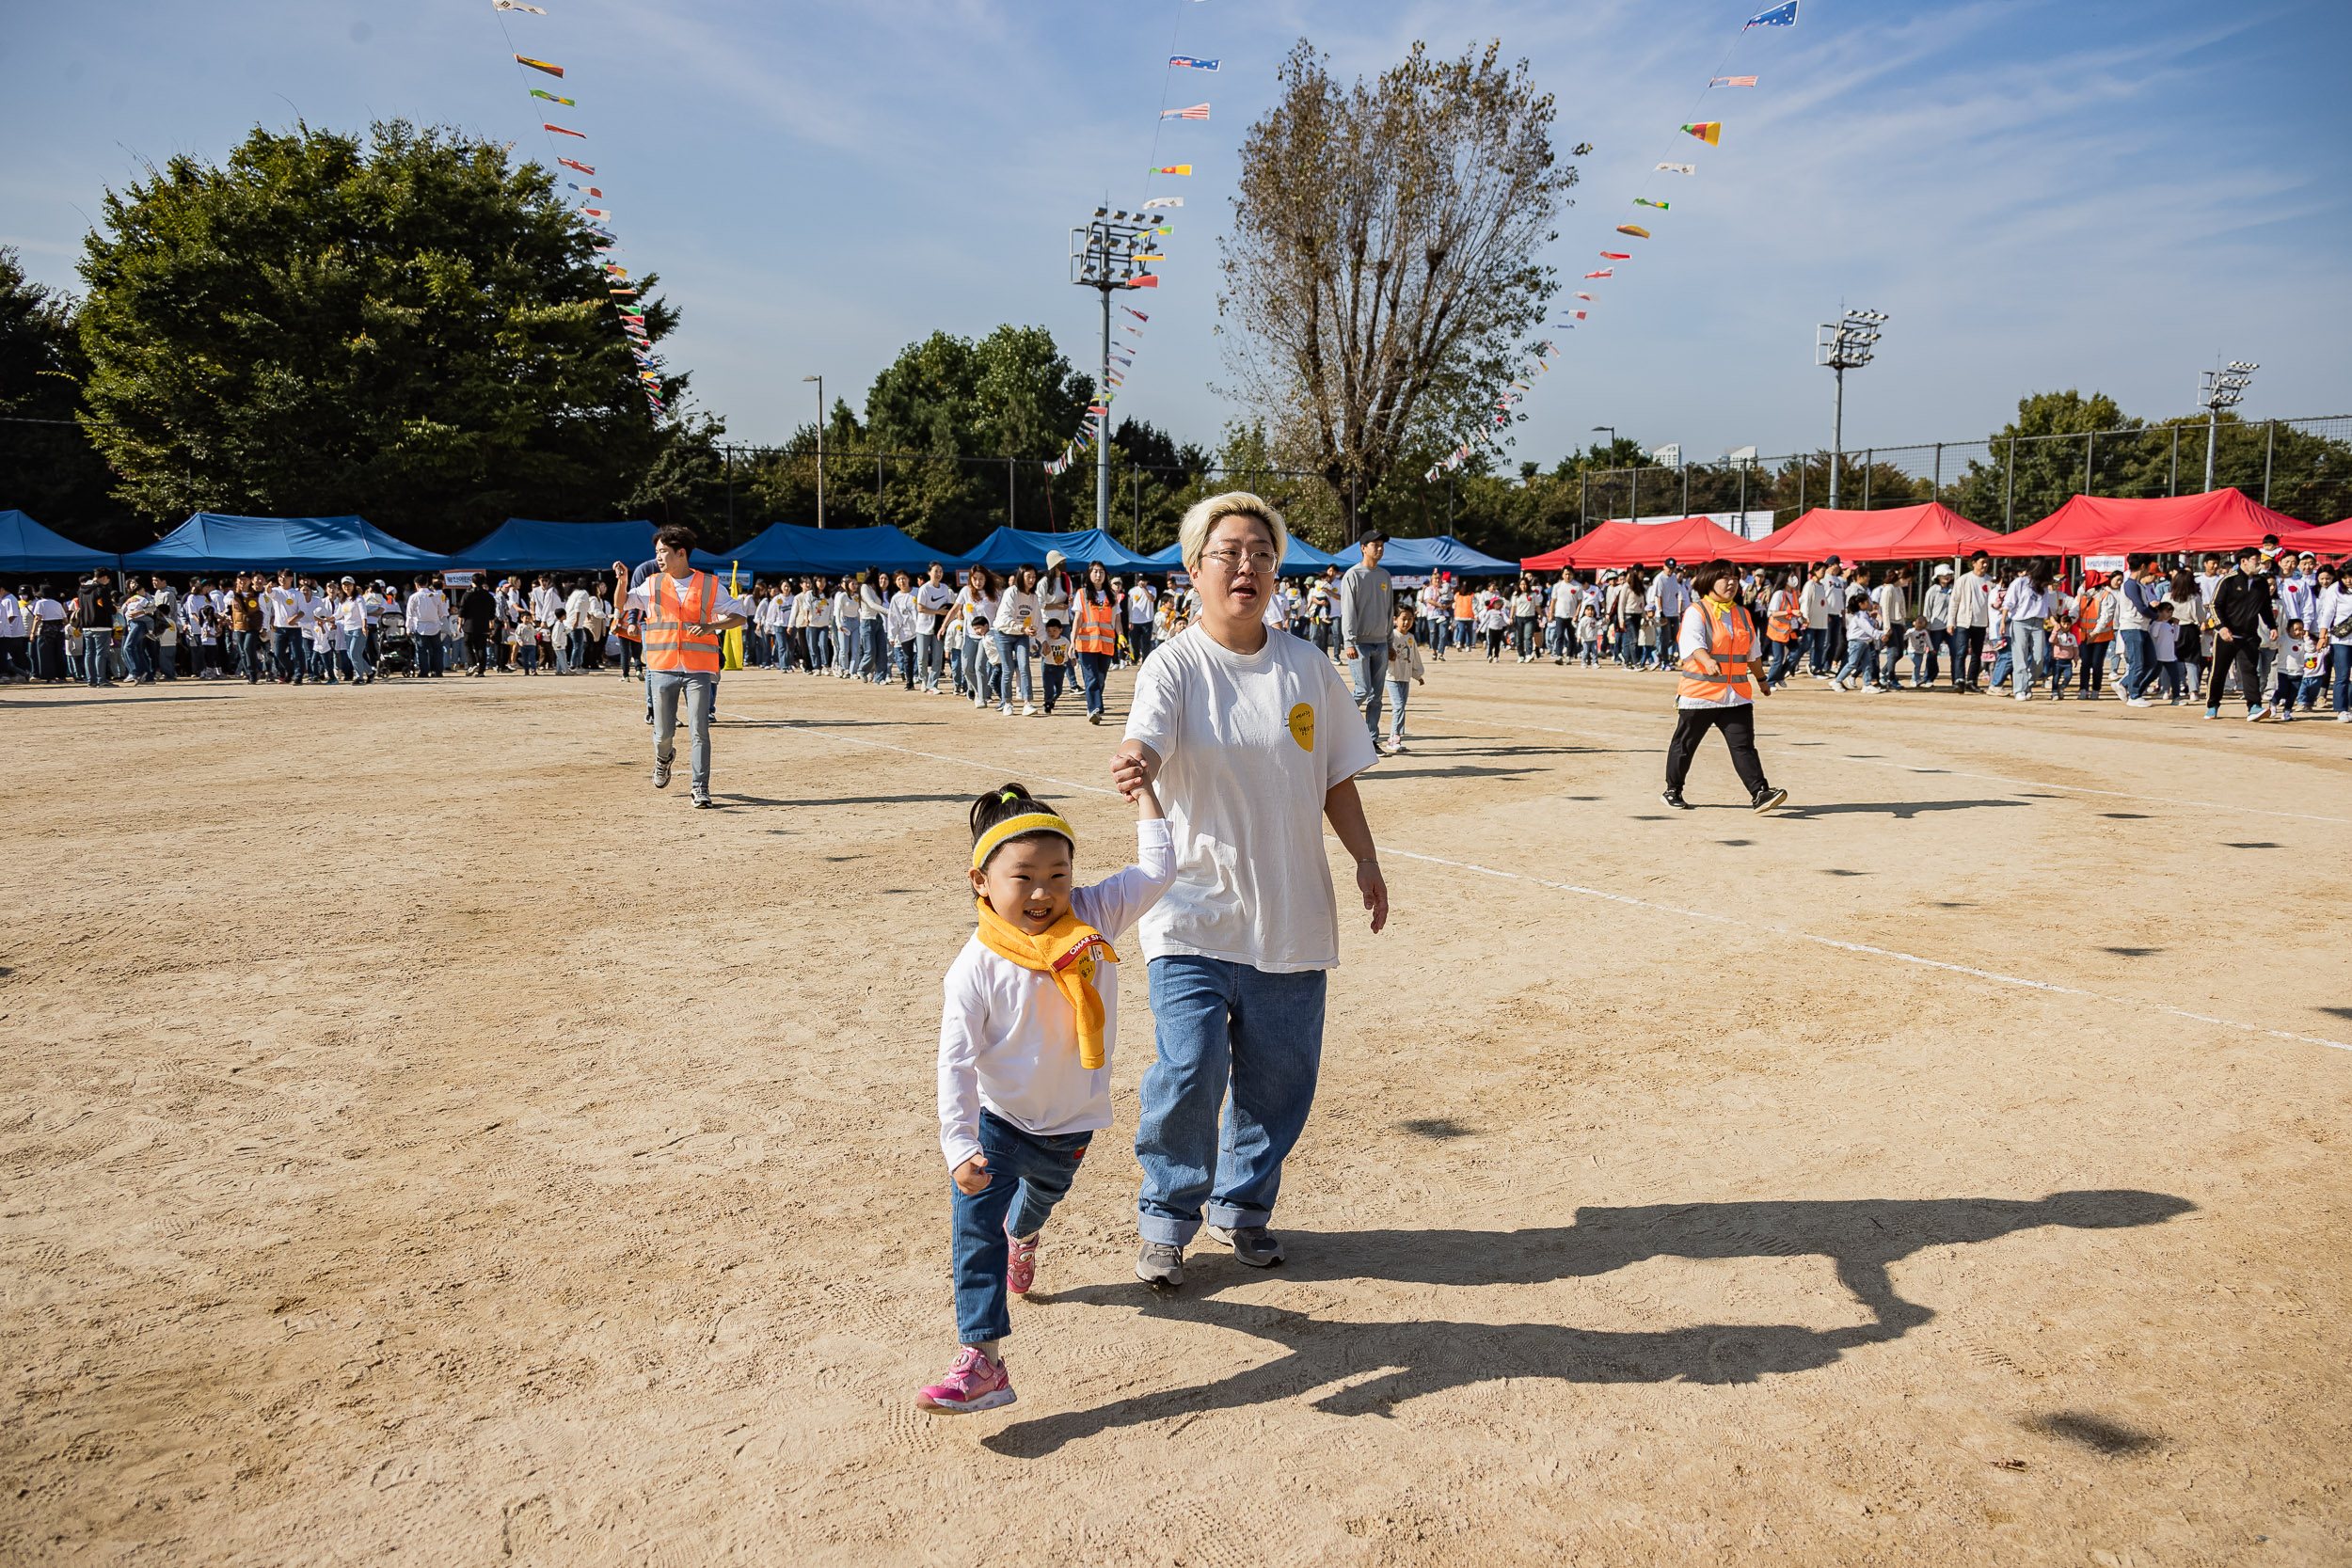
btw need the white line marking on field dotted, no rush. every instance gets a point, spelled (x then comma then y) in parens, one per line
(1994, 975)
(904, 751)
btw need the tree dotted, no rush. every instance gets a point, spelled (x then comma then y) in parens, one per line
(966, 429)
(1382, 268)
(47, 464)
(410, 328)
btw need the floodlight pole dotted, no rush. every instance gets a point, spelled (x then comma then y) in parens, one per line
(2222, 388)
(820, 447)
(1103, 257)
(1844, 345)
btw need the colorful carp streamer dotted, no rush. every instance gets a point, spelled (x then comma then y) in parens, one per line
(1708, 131)
(594, 218)
(1098, 410)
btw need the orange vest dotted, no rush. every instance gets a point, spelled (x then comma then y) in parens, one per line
(1731, 638)
(668, 644)
(1098, 630)
(1785, 617)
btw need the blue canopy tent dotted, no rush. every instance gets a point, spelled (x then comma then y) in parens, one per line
(1299, 559)
(1440, 553)
(27, 547)
(1019, 546)
(210, 541)
(797, 547)
(521, 544)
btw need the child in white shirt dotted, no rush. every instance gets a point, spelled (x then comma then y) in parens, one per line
(1053, 657)
(2164, 638)
(2297, 665)
(1025, 1041)
(1405, 667)
(1588, 636)
(526, 641)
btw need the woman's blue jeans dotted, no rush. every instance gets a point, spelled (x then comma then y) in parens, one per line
(1012, 653)
(2028, 645)
(1220, 1025)
(1093, 671)
(1859, 661)
(1033, 1168)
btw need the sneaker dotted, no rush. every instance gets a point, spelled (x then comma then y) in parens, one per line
(1768, 798)
(660, 774)
(1094, 718)
(1028, 710)
(2258, 716)
(973, 1384)
(702, 802)
(1020, 1263)
(1398, 748)
(1160, 1264)
(1005, 712)
(1673, 798)
(2140, 702)
(2213, 713)
(1251, 1244)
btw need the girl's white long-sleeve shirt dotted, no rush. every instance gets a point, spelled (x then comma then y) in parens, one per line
(1008, 1038)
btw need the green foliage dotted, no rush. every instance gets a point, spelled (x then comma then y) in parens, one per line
(943, 415)
(408, 328)
(50, 470)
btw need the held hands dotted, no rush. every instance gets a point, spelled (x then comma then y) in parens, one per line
(971, 1178)
(1132, 768)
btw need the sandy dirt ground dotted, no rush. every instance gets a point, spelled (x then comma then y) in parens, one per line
(421, 1141)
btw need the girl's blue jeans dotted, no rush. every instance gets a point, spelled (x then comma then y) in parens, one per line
(1217, 1024)
(1030, 1172)
(1012, 653)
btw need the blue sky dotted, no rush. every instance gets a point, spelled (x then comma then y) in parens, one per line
(2042, 193)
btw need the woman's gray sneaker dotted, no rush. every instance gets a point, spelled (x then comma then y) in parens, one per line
(1250, 1243)
(1160, 1264)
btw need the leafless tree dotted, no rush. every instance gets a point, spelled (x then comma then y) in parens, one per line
(1382, 269)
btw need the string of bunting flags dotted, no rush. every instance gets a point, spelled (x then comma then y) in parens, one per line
(596, 217)
(1709, 131)
(1098, 412)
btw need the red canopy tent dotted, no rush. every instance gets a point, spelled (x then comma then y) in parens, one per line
(1688, 540)
(1895, 533)
(2109, 525)
(2329, 539)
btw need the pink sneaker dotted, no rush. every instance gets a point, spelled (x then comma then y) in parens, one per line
(974, 1382)
(1020, 1263)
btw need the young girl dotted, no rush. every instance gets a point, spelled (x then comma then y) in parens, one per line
(1052, 656)
(1024, 1057)
(1588, 634)
(526, 640)
(2064, 646)
(1404, 668)
(2164, 641)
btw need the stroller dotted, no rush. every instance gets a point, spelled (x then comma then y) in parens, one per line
(396, 656)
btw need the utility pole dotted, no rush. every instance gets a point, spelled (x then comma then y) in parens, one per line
(1104, 255)
(820, 447)
(2221, 390)
(1844, 345)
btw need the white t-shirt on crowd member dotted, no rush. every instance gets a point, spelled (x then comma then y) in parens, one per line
(12, 616)
(1141, 602)
(1016, 613)
(1250, 745)
(352, 613)
(932, 600)
(427, 610)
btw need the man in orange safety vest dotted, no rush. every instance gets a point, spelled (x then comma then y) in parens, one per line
(1719, 648)
(685, 614)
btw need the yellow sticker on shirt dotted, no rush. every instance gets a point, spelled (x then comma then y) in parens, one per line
(1303, 726)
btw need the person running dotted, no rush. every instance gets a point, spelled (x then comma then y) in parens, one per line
(686, 612)
(1027, 1035)
(1717, 649)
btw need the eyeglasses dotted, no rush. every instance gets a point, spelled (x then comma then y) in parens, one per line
(1233, 560)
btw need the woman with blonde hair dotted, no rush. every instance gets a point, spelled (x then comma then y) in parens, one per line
(1252, 742)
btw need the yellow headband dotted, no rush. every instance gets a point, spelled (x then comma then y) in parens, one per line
(1013, 827)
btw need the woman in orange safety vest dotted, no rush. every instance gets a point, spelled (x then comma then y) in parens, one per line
(1719, 649)
(1095, 638)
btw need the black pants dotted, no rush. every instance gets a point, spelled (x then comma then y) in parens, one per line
(1738, 724)
(2241, 651)
(477, 646)
(1967, 654)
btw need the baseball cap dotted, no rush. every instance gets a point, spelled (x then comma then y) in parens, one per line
(1376, 537)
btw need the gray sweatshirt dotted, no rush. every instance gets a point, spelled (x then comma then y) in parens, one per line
(1366, 602)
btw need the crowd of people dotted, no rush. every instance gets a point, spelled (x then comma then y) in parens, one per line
(2272, 625)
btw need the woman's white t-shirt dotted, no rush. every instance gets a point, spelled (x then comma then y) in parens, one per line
(1016, 613)
(1248, 746)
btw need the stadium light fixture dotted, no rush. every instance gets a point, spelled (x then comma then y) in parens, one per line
(2222, 388)
(1845, 344)
(1103, 258)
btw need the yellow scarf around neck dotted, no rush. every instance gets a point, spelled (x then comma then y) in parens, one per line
(1066, 950)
